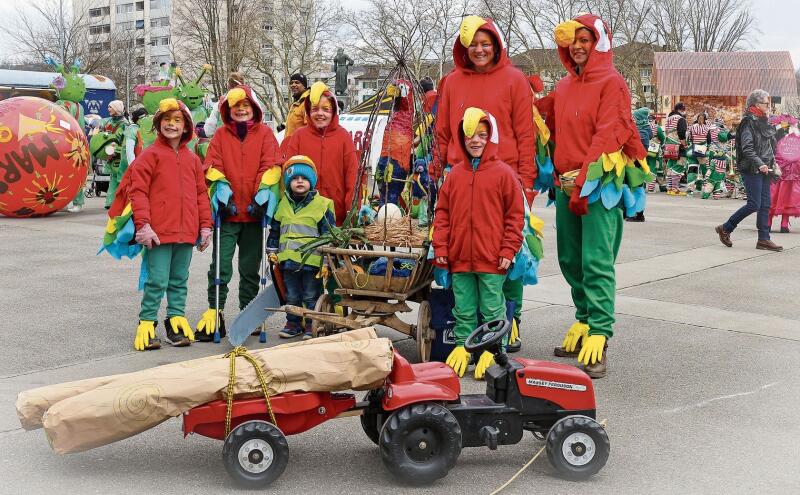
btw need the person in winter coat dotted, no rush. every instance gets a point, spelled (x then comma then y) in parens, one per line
(477, 231)
(597, 146)
(755, 160)
(171, 213)
(298, 86)
(329, 146)
(484, 77)
(241, 153)
(676, 132)
(302, 215)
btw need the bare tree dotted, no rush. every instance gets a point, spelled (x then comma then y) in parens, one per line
(390, 31)
(219, 32)
(447, 15)
(300, 38)
(48, 29)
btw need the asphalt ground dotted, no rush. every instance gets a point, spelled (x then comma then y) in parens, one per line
(701, 397)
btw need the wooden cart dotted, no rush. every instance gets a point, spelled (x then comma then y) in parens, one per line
(375, 299)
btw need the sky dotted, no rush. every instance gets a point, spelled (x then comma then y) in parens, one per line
(778, 23)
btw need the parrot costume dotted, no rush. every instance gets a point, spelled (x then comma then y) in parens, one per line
(598, 149)
(479, 221)
(70, 91)
(717, 170)
(394, 163)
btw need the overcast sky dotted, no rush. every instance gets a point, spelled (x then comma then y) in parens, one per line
(778, 21)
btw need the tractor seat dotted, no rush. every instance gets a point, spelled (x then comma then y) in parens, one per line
(433, 372)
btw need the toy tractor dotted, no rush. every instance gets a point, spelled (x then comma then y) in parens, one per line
(420, 422)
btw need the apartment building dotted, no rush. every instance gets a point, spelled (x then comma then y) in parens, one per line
(139, 29)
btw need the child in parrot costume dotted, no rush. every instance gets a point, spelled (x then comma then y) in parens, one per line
(697, 159)
(394, 163)
(70, 91)
(477, 231)
(717, 170)
(244, 172)
(601, 167)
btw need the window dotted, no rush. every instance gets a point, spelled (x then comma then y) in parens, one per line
(645, 72)
(267, 27)
(139, 6)
(95, 12)
(125, 25)
(647, 89)
(139, 41)
(139, 60)
(369, 84)
(140, 24)
(159, 22)
(156, 4)
(264, 80)
(102, 29)
(125, 8)
(159, 40)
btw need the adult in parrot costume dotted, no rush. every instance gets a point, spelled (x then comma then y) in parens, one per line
(113, 127)
(697, 136)
(70, 90)
(601, 168)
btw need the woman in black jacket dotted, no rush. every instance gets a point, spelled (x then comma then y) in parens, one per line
(755, 160)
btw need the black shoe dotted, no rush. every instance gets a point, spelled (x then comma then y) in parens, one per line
(515, 347)
(176, 339)
(206, 337)
(639, 217)
(784, 230)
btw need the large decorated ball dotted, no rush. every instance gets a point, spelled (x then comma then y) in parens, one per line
(44, 157)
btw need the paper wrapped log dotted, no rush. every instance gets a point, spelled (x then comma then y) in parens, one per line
(85, 414)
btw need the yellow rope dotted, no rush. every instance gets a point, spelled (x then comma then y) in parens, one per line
(523, 468)
(242, 351)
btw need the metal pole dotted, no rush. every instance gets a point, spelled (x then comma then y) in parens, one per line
(128, 81)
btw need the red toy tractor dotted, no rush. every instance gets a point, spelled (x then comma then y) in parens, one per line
(420, 422)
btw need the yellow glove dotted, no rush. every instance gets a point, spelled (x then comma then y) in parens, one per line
(323, 272)
(575, 333)
(514, 333)
(486, 360)
(458, 360)
(208, 322)
(181, 324)
(144, 332)
(592, 350)
(273, 258)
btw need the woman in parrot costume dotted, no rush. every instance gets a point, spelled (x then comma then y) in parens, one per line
(70, 90)
(601, 170)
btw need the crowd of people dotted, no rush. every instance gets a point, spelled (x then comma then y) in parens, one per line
(496, 143)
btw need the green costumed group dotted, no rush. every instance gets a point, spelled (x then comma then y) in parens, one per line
(497, 146)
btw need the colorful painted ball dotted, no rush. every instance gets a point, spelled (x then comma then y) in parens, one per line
(44, 157)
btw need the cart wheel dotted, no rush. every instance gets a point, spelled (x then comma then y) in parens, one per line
(88, 191)
(424, 337)
(255, 454)
(372, 423)
(420, 443)
(577, 447)
(320, 328)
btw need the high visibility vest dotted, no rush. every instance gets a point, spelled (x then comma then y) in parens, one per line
(300, 227)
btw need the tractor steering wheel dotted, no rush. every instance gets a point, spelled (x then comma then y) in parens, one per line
(487, 336)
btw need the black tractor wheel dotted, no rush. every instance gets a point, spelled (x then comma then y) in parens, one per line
(372, 423)
(420, 443)
(255, 454)
(577, 447)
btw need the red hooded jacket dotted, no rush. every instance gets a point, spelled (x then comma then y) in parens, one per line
(590, 113)
(168, 190)
(504, 92)
(332, 151)
(243, 162)
(479, 213)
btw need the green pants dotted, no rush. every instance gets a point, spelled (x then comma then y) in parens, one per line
(168, 271)
(248, 237)
(473, 291)
(512, 291)
(587, 249)
(113, 183)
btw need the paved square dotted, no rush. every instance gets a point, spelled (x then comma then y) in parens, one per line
(702, 394)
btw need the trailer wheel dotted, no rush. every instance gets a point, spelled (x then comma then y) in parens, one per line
(577, 447)
(420, 443)
(255, 454)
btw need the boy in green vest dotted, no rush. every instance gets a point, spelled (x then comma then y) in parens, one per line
(302, 215)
